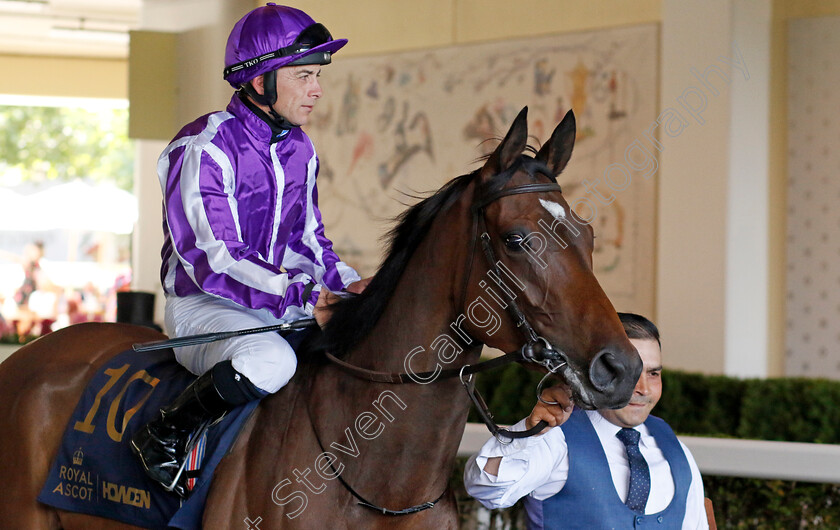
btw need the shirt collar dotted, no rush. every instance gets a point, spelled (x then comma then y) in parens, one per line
(254, 123)
(609, 430)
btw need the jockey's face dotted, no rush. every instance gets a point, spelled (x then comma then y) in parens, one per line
(298, 88)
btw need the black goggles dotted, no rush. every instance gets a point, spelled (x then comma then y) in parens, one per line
(312, 36)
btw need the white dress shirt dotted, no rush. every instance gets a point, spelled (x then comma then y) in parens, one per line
(538, 466)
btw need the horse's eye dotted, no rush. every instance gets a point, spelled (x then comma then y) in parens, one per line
(514, 241)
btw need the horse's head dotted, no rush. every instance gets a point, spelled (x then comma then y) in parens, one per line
(534, 256)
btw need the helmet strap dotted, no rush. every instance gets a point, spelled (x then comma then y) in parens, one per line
(268, 98)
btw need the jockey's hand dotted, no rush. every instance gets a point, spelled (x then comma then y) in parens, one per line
(323, 309)
(554, 415)
(359, 286)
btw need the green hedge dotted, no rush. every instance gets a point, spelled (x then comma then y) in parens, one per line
(788, 409)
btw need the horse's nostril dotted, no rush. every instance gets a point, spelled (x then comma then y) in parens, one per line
(606, 371)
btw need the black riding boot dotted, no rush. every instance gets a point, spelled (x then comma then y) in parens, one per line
(162, 443)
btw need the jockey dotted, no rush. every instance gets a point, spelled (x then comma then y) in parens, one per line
(244, 242)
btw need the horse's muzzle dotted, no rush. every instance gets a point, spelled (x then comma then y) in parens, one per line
(615, 375)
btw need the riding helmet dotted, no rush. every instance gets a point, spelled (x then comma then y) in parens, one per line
(272, 36)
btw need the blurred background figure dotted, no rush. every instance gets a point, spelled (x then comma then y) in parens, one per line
(32, 273)
(36, 298)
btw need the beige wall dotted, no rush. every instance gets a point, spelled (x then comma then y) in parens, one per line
(813, 284)
(152, 86)
(63, 77)
(693, 178)
(783, 11)
(787, 9)
(381, 26)
(777, 189)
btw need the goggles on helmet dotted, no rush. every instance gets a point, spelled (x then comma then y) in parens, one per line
(312, 36)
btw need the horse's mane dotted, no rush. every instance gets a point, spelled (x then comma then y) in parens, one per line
(354, 317)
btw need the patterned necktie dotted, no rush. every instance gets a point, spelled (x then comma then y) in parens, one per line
(639, 490)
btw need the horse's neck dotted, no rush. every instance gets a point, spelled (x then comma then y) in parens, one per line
(421, 424)
(422, 307)
(395, 444)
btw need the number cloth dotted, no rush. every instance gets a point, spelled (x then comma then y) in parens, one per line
(95, 472)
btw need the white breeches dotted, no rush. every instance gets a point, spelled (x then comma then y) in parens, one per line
(266, 359)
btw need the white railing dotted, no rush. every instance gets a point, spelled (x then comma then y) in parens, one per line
(734, 458)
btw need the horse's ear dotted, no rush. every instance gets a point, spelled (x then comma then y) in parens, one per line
(510, 148)
(558, 150)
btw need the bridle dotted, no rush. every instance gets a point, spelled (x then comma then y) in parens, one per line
(536, 348)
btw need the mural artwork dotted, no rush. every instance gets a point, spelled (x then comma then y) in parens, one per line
(396, 126)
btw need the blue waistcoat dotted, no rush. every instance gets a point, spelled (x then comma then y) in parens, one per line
(589, 500)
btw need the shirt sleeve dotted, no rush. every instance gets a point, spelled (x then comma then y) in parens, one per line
(695, 506)
(202, 217)
(328, 269)
(537, 465)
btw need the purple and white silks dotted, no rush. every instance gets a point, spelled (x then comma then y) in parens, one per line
(241, 220)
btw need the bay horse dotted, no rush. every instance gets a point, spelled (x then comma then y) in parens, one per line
(436, 298)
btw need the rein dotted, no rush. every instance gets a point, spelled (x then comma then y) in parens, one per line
(484, 413)
(536, 348)
(362, 501)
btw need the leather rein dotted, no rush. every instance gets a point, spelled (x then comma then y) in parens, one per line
(536, 348)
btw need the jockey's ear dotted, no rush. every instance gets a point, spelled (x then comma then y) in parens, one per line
(259, 84)
(558, 150)
(510, 148)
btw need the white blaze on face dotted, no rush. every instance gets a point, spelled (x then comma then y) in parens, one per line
(556, 211)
